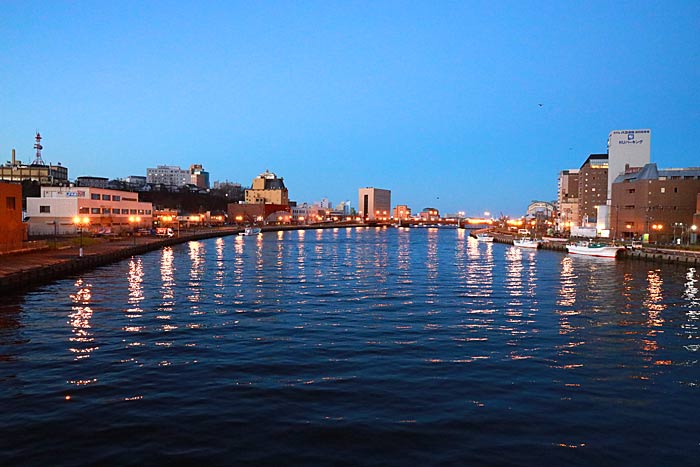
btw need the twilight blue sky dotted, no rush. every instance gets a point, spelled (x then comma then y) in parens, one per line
(437, 101)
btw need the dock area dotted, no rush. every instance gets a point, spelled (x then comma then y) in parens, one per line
(646, 253)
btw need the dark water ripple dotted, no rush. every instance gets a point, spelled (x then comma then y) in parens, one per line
(354, 346)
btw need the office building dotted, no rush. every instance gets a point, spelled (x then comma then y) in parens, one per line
(107, 211)
(659, 202)
(567, 199)
(374, 204)
(592, 188)
(199, 176)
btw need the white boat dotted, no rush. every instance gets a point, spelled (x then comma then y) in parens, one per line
(250, 231)
(526, 242)
(484, 237)
(594, 249)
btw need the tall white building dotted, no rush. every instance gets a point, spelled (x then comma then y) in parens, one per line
(168, 175)
(626, 148)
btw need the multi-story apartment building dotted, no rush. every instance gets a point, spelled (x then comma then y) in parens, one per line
(659, 202)
(374, 203)
(168, 175)
(106, 210)
(567, 199)
(592, 188)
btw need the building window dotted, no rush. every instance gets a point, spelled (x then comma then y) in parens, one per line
(675, 189)
(94, 196)
(663, 190)
(141, 211)
(631, 190)
(45, 209)
(95, 210)
(116, 198)
(11, 203)
(148, 212)
(132, 211)
(125, 211)
(84, 211)
(106, 210)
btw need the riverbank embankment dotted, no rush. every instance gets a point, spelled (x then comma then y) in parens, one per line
(26, 269)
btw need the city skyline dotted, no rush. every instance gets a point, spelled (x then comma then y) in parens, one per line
(469, 107)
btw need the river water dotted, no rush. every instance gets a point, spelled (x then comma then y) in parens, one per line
(354, 346)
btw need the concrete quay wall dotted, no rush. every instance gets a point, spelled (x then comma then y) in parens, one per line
(661, 255)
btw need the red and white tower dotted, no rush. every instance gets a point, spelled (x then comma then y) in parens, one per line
(38, 147)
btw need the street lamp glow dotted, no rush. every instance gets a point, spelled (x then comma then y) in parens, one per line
(81, 222)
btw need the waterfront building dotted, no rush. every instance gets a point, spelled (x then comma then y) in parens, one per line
(626, 148)
(252, 213)
(429, 215)
(13, 231)
(199, 176)
(567, 200)
(94, 182)
(170, 176)
(106, 210)
(374, 203)
(267, 188)
(592, 188)
(402, 212)
(661, 203)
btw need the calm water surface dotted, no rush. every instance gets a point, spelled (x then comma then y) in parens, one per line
(354, 346)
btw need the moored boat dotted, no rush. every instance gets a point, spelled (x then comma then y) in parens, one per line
(594, 249)
(484, 237)
(250, 231)
(526, 242)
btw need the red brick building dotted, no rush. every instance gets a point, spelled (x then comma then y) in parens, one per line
(592, 187)
(253, 213)
(659, 202)
(12, 230)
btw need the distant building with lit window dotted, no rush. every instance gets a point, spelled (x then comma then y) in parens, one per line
(592, 188)
(107, 210)
(199, 176)
(168, 175)
(567, 200)
(662, 202)
(374, 204)
(402, 212)
(267, 189)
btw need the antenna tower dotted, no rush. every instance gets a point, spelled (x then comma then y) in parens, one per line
(38, 147)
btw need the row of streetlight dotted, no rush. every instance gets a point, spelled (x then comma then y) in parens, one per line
(84, 221)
